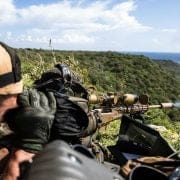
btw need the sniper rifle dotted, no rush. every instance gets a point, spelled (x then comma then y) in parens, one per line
(112, 106)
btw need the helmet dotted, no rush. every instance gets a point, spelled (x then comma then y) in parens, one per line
(10, 71)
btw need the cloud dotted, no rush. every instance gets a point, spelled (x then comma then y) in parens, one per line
(7, 12)
(77, 38)
(83, 24)
(169, 30)
(165, 40)
(9, 35)
(94, 17)
(70, 22)
(156, 41)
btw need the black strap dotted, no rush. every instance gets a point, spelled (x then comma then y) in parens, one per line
(6, 79)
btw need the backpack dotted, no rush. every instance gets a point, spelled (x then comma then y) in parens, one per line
(71, 119)
(138, 140)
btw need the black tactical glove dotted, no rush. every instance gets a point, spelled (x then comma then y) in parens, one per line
(32, 120)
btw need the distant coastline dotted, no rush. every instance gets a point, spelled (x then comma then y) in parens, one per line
(159, 55)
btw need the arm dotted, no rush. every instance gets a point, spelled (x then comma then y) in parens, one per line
(31, 122)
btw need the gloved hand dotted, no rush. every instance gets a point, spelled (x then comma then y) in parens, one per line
(32, 120)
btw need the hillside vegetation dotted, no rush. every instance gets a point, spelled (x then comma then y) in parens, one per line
(112, 71)
(171, 66)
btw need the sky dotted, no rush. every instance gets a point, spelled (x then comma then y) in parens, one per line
(100, 25)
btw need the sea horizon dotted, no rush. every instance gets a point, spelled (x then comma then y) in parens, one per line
(173, 56)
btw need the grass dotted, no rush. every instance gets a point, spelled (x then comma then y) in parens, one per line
(109, 135)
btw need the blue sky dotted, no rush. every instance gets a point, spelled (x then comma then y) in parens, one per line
(103, 25)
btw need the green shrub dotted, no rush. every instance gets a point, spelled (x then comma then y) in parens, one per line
(159, 117)
(109, 135)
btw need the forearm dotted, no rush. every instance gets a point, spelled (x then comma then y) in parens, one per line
(12, 170)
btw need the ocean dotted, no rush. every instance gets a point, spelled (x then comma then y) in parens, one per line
(159, 55)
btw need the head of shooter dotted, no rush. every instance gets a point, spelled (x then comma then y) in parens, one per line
(10, 78)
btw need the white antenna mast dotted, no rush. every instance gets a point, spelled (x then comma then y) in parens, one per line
(52, 50)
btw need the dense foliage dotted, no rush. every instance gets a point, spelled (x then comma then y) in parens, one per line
(112, 71)
(171, 66)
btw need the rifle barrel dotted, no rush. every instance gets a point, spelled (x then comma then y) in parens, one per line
(117, 112)
(162, 105)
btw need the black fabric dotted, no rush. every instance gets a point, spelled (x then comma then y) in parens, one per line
(8, 141)
(146, 172)
(130, 146)
(58, 161)
(70, 121)
(62, 80)
(32, 119)
(15, 76)
(144, 136)
(175, 174)
(6, 79)
(51, 79)
(66, 73)
(137, 139)
(83, 150)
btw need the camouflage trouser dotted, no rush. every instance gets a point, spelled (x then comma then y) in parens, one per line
(97, 151)
(101, 153)
(4, 129)
(166, 165)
